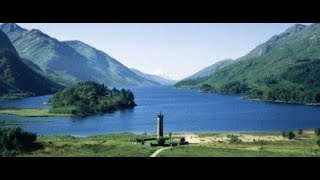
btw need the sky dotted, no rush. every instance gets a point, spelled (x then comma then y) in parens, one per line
(173, 50)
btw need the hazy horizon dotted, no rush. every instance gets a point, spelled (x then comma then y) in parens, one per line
(174, 51)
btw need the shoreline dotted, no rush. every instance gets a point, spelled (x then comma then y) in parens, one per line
(209, 133)
(251, 99)
(31, 112)
(282, 102)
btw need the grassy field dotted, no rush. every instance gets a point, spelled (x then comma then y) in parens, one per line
(31, 112)
(251, 145)
(114, 145)
(202, 145)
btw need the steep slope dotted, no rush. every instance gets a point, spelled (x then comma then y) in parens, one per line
(16, 77)
(110, 70)
(59, 62)
(203, 74)
(158, 79)
(207, 71)
(12, 30)
(285, 68)
(70, 62)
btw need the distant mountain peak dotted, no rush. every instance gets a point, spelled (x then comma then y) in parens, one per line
(5, 43)
(155, 78)
(11, 27)
(267, 46)
(37, 32)
(76, 42)
(295, 28)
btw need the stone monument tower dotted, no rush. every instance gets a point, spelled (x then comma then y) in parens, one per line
(160, 125)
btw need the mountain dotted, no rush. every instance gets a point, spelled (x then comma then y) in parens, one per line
(285, 68)
(158, 79)
(203, 74)
(109, 70)
(16, 78)
(211, 69)
(69, 62)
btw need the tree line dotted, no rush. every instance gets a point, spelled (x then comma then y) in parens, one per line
(87, 98)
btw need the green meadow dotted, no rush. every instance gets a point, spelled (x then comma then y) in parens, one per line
(201, 145)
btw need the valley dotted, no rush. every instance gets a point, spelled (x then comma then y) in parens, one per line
(61, 97)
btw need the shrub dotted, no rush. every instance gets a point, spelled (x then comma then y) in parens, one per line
(234, 139)
(300, 131)
(291, 135)
(182, 140)
(318, 142)
(260, 142)
(15, 140)
(7, 153)
(161, 141)
(317, 131)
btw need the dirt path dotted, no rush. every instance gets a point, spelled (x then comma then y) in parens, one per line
(159, 151)
(195, 139)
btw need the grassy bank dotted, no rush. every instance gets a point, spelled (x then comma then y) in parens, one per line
(114, 145)
(31, 113)
(249, 145)
(202, 145)
(15, 96)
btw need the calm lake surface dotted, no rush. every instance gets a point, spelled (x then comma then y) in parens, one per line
(184, 111)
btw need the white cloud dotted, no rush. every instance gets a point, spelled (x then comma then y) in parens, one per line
(173, 76)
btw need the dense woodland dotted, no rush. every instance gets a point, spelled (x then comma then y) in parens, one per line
(90, 98)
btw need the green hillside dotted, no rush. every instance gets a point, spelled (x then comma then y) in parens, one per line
(16, 78)
(285, 68)
(211, 69)
(69, 62)
(108, 70)
(203, 74)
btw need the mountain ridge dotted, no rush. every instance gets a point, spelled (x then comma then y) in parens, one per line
(64, 64)
(101, 61)
(284, 68)
(158, 79)
(16, 78)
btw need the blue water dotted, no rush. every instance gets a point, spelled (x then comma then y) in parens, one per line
(184, 111)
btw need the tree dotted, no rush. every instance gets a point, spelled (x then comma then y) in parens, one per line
(206, 88)
(91, 98)
(291, 135)
(15, 140)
